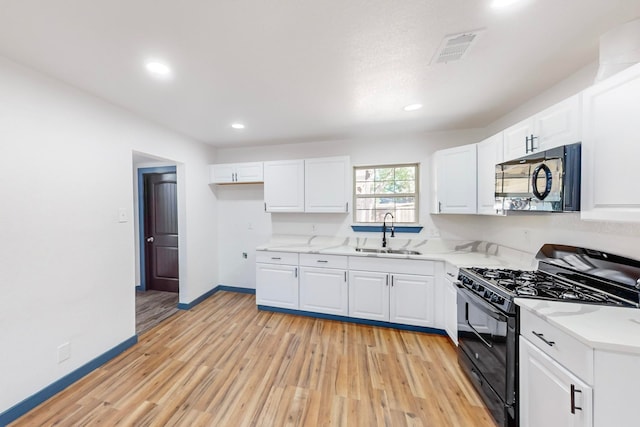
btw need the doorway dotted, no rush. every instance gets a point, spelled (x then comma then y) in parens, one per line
(161, 231)
(157, 294)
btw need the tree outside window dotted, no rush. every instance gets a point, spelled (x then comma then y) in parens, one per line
(386, 188)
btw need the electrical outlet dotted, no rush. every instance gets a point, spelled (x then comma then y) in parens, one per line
(64, 352)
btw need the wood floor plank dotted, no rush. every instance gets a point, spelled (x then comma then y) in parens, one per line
(224, 363)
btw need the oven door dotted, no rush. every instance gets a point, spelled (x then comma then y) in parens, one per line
(487, 338)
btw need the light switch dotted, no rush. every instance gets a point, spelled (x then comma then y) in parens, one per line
(122, 215)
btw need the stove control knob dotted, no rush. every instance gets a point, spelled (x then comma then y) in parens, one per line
(497, 299)
(480, 288)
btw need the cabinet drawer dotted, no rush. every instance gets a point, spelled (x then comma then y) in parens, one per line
(269, 257)
(390, 265)
(565, 349)
(318, 260)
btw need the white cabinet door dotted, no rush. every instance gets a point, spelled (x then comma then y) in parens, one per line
(369, 295)
(550, 395)
(558, 125)
(324, 290)
(451, 310)
(327, 187)
(221, 174)
(611, 148)
(277, 285)
(515, 139)
(284, 186)
(456, 180)
(249, 172)
(490, 153)
(412, 300)
(236, 173)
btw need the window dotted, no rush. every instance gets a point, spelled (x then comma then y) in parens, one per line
(387, 188)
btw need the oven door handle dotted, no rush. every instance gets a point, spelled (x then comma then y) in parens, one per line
(477, 334)
(484, 306)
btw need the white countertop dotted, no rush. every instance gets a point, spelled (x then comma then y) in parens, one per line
(458, 253)
(600, 327)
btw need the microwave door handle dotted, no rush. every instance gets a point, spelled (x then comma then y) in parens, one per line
(534, 181)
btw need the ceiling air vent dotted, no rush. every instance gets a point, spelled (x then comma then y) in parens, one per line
(455, 47)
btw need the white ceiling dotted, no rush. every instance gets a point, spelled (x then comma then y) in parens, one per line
(295, 70)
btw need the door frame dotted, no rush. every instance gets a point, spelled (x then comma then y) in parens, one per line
(141, 172)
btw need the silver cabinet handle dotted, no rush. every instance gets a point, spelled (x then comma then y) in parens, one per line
(322, 261)
(345, 275)
(275, 257)
(295, 273)
(392, 280)
(150, 239)
(541, 336)
(387, 284)
(439, 207)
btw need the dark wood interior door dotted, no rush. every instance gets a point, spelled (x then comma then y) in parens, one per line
(161, 232)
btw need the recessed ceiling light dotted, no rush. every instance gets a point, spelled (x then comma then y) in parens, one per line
(237, 126)
(412, 107)
(499, 4)
(158, 69)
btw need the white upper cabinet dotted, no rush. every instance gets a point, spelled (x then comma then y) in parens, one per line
(611, 148)
(284, 186)
(236, 173)
(490, 153)
(311, 185)
(327, 184)
(558, 125)
(456, 180)
(516, 139)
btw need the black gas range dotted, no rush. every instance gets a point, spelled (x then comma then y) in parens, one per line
(487, 314)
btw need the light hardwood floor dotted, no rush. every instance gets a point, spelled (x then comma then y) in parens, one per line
(224, 363)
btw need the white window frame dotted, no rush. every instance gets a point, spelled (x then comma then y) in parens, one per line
(415, 194)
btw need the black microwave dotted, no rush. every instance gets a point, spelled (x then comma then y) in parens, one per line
(547, 181)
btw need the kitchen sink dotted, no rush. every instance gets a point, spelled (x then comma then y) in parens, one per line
(388, 251)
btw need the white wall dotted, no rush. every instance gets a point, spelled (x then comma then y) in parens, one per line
(66, 264)
(243, 224)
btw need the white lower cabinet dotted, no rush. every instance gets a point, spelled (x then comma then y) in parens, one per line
(369, 295)
(386, 290)
(550, 395)
(411, 300)
(324, 290)
(389, 297)
(450, 304)
(277, 279)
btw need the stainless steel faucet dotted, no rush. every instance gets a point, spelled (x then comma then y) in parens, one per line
(384, 229)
